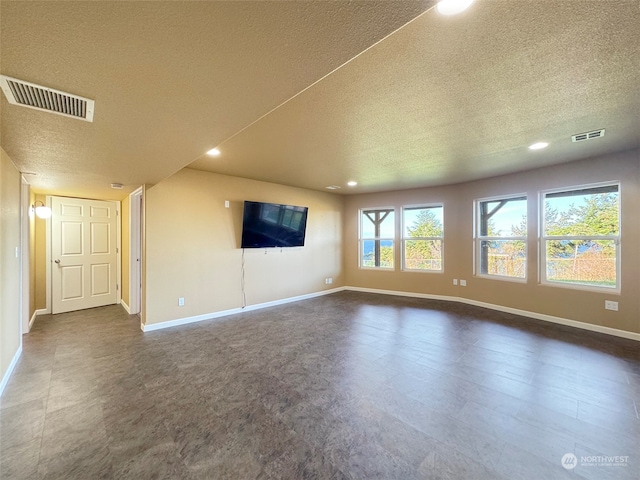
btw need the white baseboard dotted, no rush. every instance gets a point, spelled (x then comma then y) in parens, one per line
(33, 319)
(404, 294)
(524, 313)
(233, 311)
(12, 365)
(125, 306)
(39, 311)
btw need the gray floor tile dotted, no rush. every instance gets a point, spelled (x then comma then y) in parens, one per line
(351, 385)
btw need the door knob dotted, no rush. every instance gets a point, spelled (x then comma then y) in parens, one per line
(57, 260)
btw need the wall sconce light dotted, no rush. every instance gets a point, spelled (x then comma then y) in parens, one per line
(42, 211)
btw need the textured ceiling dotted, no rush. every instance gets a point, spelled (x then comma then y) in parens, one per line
(442, 100)
(170, 79)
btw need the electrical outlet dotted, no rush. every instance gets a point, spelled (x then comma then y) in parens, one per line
(455, 281)
(226, 204)
(328, 280)
(181, 302)
(463, 283)
(611, 305)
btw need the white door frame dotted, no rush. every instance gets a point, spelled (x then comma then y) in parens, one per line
(25, 250)
(118, 255)
(135, 251)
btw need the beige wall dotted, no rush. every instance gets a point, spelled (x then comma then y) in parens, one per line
(125, 238)
(458, 200)
(193, 246)
(40, 259)
(32, 256)
(9, 264)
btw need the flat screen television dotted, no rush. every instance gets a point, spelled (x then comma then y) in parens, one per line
(273, 225)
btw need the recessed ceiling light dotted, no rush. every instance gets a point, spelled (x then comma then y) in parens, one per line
(332, 187)
(214, 152)
(451, 7)
(352, 183)
(538, 146)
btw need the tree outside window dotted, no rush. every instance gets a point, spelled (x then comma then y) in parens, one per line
(423, 236)
(581, 236)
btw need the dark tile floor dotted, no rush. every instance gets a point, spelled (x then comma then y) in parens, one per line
(350, 385)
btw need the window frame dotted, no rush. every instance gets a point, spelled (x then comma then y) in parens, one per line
(404, 239)
(362, 239)
(617, 240)
(478, 239)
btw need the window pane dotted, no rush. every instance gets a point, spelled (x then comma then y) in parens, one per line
(582, 212)
(423, 222)
(369, 253)
(584, 262)
(507, 258)
(503, 218)
(423, 254)
(368, 228)
(385, 219)
(386, 253)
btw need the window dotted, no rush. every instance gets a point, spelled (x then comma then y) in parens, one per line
(501, 237)
(422, 238)
(581, 236)
(377, 233)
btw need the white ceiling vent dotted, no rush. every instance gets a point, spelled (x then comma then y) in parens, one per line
(581, 137)
(19, 92)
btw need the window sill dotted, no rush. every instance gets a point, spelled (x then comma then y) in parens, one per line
(414, 270)
(502, 278)
(378, 269)
(584, 288)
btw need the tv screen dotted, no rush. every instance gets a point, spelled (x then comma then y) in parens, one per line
(273, 225)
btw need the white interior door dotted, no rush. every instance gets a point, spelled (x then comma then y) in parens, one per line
(135, 251)
(83, 252)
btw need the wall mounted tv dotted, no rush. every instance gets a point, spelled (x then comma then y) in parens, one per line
(273, 225)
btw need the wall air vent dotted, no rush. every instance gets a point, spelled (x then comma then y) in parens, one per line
(581, 137)
(19, 92)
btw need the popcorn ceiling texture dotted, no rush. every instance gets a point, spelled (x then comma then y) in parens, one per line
(442, 100)
(170, 79)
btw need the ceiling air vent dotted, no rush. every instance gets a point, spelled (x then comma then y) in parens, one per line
(581, 137)
(19, 92)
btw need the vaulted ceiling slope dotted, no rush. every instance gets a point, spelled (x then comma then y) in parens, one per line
(170, 79)
(439, 100)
